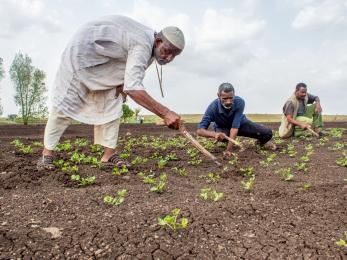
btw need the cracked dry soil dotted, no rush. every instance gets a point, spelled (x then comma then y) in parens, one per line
(44, 215)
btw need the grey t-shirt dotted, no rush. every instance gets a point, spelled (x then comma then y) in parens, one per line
(288, 108)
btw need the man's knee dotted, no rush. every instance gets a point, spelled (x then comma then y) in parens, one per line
(267, 135)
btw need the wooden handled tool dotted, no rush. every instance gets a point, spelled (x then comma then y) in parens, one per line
(233, 141)
(313, 132)
(195, 143)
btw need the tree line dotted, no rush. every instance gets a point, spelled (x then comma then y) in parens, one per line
(30, 90)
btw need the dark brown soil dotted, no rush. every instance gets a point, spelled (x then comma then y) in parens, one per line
(276, 220)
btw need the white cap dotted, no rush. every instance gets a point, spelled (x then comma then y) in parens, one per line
(175, 36)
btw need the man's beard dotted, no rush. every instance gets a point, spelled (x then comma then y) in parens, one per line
(227, 107)
(158, 58)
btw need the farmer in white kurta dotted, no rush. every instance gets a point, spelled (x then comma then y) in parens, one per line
(105, 61)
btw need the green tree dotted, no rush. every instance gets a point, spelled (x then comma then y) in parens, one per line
(2, 75)
(30, 87)
(127, 112)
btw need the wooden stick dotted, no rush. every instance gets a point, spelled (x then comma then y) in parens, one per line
(233, 141)
(197, 145)
(313, 132)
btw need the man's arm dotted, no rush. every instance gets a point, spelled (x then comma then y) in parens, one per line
(236, 123)
(205, 123)
(298, 123)
(141, 97)
(318, 108)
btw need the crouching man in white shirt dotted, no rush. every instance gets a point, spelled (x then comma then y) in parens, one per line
(105, 61)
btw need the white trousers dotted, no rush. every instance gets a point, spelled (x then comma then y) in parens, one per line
(105, 135)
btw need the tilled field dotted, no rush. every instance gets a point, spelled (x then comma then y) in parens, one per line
(291, 205)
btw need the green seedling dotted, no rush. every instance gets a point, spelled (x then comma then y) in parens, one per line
(336, 132)
(119, 171)
(37, 143)
(342, 161)
(309, 149)
(180, 171)
(124, 155)
(139, 160)
(278, 141)
(81, 142)
(131, 143)
(95, 162)
(147, 178)
(304, 158)
(160, 186)
(247, 172)
(60, 163)
(171, 157)
(291, 150)
(96, 148)
(64, 147)
(208, 193)
(116, 200)
(83, 181)
(195, 161)
(301, 166)
(211, 177)
(70, 169)
(78, 157)
(343, 242)
(322, 141)
(162, 163)
(248, 183)
(266, 162)
(337, 146)
(234, 160)
(154, 156)
(192, 152)
(22, 148)
(26, 149)
(286, 174)
(172, 222)
(307, 186)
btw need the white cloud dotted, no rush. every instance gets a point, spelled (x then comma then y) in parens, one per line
(225, 28)
(325, 13)
(17, 16)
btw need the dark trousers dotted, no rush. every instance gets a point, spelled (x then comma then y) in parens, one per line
(252, 130)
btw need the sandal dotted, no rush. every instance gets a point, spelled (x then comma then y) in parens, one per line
(45, 163)
(114, 161)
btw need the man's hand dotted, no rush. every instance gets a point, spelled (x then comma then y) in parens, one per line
(318, 108)
(304, 126)
(172, 120)
(219, 136)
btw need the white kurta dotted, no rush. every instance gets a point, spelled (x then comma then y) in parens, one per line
(103, 54)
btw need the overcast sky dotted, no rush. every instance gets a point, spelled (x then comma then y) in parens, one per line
(262, 47)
